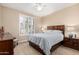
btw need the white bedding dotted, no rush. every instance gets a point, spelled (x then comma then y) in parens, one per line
(46, 40)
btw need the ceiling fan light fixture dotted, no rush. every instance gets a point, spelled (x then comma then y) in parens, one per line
(38, 6)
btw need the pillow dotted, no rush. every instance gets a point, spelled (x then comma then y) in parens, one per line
(53, 31)
(48, 31)
(57, 31)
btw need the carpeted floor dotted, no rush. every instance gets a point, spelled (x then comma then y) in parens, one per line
(25, 49)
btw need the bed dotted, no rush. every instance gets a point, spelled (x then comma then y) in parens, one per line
(46, 39)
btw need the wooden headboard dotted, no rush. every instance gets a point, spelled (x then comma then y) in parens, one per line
(57, 27)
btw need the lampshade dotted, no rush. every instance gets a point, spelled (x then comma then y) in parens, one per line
(70, 28)
(44, 28)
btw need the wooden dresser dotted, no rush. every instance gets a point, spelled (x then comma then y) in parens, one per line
(6, 44)
(71, 42)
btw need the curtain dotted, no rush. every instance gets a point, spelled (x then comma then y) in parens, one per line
(26, 24)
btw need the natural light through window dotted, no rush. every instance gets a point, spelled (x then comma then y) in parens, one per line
(26, 24)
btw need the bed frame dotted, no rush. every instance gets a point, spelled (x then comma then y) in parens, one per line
(57, 27)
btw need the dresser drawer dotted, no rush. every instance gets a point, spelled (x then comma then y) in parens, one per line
(68, 44)
(6, 47)
(72, 43)
(74, 40)
(75, 44)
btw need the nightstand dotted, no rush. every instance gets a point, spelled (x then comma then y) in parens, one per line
(71, 43)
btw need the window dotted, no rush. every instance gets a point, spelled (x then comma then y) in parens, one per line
(26, 24)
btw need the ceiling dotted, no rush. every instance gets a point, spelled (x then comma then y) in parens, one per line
(29, 7)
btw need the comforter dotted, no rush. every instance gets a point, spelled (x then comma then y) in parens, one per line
(46, 40)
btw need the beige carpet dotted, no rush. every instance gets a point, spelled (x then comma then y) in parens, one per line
(25, 49)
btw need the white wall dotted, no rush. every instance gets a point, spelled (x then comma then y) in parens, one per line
(0, 16)
(11, 21)
(68, 16)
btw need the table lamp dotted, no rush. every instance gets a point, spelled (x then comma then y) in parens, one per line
(72, 32)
